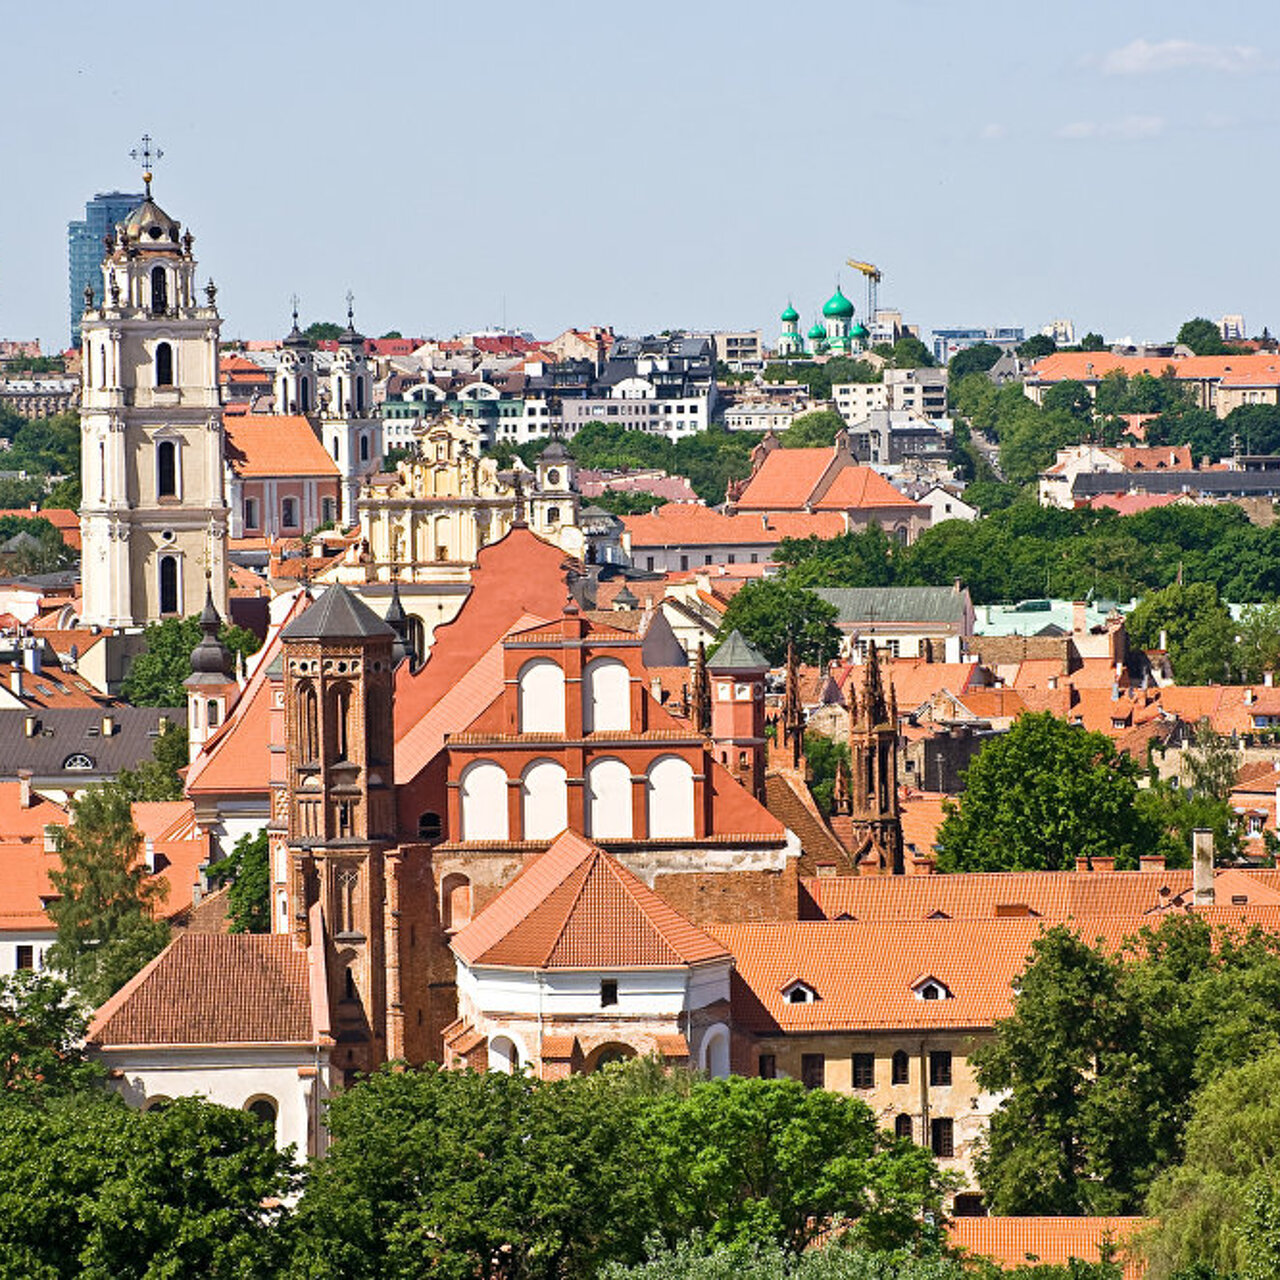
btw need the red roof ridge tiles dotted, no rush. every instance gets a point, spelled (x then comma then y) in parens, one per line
(575, 906)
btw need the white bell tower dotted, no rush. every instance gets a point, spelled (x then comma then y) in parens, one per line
(153, 514)
(295, 386)
(350, 426)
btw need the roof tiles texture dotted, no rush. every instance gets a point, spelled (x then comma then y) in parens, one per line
(280, 445)
(1050, 1241)
(682, 524)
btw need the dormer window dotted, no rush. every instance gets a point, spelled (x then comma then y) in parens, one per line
(931, 989)
(798, 992)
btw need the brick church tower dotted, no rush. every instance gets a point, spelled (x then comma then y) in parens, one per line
(871, 799)
(737, 710)
(340, 813)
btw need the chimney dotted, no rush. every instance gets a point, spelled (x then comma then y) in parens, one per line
(1104, 864)
(1082, 864)
(24, 788)
(1164, 640)
(1151, 862)
(149, 853)
(1248, 697)
(108, 726)
(1202, 867)
(1268, 679)
(1079, 617)
(15, 681)
(31, 656)
(30, 726)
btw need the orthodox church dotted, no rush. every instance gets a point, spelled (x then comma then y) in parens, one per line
(837, 333)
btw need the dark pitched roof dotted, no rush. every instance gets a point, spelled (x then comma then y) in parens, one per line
(62, 734)
(896, 604)
(737, 653)
(338, 615)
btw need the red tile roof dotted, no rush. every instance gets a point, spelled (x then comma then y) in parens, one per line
(576, 907)
(213, 989)
(681, 524)
(1087, 365)
(66, 522)
(856, 488)
(282, 445)
(1014, 1242)
(786, 478)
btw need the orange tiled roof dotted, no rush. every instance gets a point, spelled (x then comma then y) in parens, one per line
(679, 524)
(786, 478)
(284, 445)
(1013, 1242)
(577, 907)
(1086, 365)
(66, 522)
(1129, 504)
(860, 487)
(261, 995)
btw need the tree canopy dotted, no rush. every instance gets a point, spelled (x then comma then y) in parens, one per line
(248, 871)
(975, 359)
(773, 613)
(155, 676)
(104, 912)
(1041, 796)
(1203, 337)
(818, 428)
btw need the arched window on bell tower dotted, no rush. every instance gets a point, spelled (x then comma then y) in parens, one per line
(308, 724)
(164, 365)
(340, 707)
(159, 290)
(304, 394)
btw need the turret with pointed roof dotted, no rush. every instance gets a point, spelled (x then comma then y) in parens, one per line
(211, 687)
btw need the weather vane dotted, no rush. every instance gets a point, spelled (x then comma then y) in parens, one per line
(148, 156)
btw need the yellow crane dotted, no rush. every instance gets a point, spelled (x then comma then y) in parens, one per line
(874, 276)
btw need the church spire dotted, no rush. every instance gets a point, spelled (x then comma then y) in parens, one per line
(701, 692)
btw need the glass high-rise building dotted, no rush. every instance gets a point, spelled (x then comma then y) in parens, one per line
(85, 249)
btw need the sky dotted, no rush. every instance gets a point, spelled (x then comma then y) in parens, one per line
(660, 165)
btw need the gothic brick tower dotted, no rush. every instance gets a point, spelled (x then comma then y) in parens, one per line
(872, 802)
(340, 823)
(737, 710)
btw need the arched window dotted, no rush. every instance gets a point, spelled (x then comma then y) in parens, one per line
(340, 708)
(213, 713)
(671, 798)
(309, 725)
(336, 448)
(484, 801)
(78, 761)
(359, 395)
(304, 394)
(337, 399)
(364, 448)
(903, 1128)
(265, 1109)
(900, 1068)
(606, 697)
(159, 289)
(167, 469)
(541, 684)
(164, 365)
(455, 901)
(715, 1052)
(609, 800)
(169, 600)
(102, 366)
(430, 827)
(544, 800)
(503, 1055)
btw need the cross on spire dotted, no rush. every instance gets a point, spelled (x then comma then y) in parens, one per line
(148, 155)
(351, 322)
(293, 301)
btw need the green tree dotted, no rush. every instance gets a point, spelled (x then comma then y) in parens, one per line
(773, 613)
(818, 428)
(89, 1187)
(975, 359)
(1071, 397)
(323, 331)
(158, 778)
(1036, 346)
(1093, 342)
(910, 353)
(627, 502)
(104, 912)
(862, 559)
(1196, 626)
(1203, 337)
(156, 675)
(249, 871)
(391, 333)
(42, 1026)
(1259, 648)
(1040, 796)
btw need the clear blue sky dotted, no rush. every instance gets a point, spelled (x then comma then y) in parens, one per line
(660, 164)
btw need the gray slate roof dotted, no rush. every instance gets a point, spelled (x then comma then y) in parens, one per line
(65, 733)
(737, 653)
(932, 605)
(337, 615)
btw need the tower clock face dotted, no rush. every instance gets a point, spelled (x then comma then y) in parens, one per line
(553, 476)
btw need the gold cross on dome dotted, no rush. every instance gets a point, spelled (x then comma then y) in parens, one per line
(148, 155)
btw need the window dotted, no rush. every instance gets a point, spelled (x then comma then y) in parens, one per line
(768, 1068)
(364, 446)
(430, 827)
(289, 513)
(903, 1128)
(901, 1070)
(328, 512)
(813, 1070)
(159, 289)
(648, 564)
(608, 991)
(864, 1070)
(264, 1109)
(484, 801)
(684, 562)
(606, 704)
(164, 365)
(251, 513)
(455, 901)
(304, 394)
(364, 440)
(940, 1066)
(79, 762)
(671, 798)
(545, 800)
(213, 713)
(167, 469)
(26, 956)
(942, 1138)
(169, 600)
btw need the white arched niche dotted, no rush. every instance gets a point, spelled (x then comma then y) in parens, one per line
(606, 697)
(609, 800)
(671, 798)
(545, 799)
(715, 1052)
(541, 685)
(484, 801)
(504, 1056)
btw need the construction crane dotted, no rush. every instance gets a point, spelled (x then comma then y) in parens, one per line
(874, 275)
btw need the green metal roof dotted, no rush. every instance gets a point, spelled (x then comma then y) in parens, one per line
(790, 314)
(866, 605)
(737, 653)
(838, 306)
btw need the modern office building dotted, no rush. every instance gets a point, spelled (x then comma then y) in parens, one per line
(85, 248)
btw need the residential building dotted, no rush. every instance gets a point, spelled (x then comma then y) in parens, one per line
(154, 511)
(1232, 328)
(760, 415)
(946, 504)
(947, 342)
(39, 397)
(742, 352)
(906, 622)
(85, 238)
(1057, 483)
(1063, 332)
